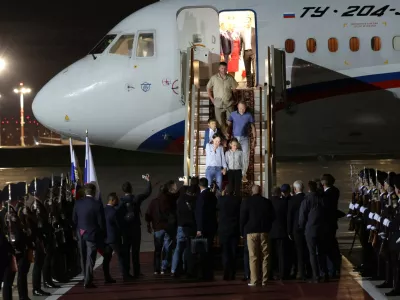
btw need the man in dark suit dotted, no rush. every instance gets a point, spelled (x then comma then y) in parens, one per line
(113, 239)
(129, 213)
(228, 230)
(312, 219)
(294, 231)
(256, 218)
(278, 235)
(90, 225)
(206, 221)
(249, 50)
(331, 201)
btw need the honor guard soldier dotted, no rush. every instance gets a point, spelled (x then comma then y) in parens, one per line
(367, 267)
(20, 262)
(6, 250)
(44, 240)
(393, 223)
(379, 195)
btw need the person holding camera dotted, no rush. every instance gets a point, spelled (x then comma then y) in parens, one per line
(129, 213)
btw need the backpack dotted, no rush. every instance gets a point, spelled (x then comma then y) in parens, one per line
(130, 213)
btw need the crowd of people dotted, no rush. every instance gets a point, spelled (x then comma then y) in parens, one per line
(291, 235)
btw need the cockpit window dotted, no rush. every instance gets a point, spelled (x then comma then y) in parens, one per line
(145, 45)
(124, 45)
(103, 44)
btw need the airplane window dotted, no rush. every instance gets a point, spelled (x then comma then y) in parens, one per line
(145, 46)
(354, 44)
(333, 45)
(396, 43)
(376, 43)
(290, 46)
(103, 44)
(124, 45)
(311, 45)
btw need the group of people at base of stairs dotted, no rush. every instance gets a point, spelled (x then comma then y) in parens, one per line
(234, 128)
(291, 235)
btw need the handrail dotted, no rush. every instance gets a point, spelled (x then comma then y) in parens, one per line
(188, 118)
(191, 128)
(261, 128)
(198, 134)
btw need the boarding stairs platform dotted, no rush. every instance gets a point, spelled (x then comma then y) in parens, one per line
(260, 102)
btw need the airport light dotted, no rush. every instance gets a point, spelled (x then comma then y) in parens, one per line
(21, 91)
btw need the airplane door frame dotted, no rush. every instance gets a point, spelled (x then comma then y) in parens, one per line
(256, 33)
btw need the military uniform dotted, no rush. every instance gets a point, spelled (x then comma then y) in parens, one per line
(19, 260)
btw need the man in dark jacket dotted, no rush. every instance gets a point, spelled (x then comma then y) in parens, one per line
(186, 207)
(89, 220)
(256, 218)
(312, 219)
(294, 231)
(331, 199)
(206, 221)
(129, 212)
(229, 230)
(161, 218)
(113, 239)
(278, 235)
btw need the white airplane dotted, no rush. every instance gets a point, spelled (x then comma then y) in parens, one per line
(342, 61)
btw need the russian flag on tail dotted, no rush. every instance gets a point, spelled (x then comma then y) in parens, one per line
(90, 172)
(289, 15)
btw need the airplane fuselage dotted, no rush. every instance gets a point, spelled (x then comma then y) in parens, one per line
(343, 72)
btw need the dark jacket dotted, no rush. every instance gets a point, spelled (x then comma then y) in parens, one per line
(112, 225)
(313, 215)
(89, 217)
(294, 204)
(256, 215)
(279, 226)
(206, 212)
(186, 209)
(159, 208)
(229, 216)
(331, 200)
(134, 202)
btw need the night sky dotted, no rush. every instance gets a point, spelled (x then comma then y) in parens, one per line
(39, 40)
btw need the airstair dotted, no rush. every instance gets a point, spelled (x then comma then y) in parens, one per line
(260, 101)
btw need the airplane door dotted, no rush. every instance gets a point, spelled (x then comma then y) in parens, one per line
(277, 73)
(199, 26)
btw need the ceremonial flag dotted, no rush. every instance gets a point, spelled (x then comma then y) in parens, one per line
(90, 172)
(76, 173)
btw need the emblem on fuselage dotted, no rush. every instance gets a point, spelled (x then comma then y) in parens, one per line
(145, 86)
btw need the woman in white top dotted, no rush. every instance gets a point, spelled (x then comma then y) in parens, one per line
(234, 160)
(215, 162)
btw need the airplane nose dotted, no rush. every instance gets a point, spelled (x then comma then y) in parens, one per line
(64, 103)
(63, 96)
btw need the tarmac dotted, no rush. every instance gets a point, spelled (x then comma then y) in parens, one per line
(113, 167)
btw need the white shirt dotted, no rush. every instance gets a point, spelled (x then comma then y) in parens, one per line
(325, 189)
(212, 132)
(247, 38)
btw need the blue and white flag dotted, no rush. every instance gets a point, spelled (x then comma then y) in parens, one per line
(76, 174)
(90, 172)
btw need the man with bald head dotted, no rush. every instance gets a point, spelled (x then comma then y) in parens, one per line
(256, 219)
